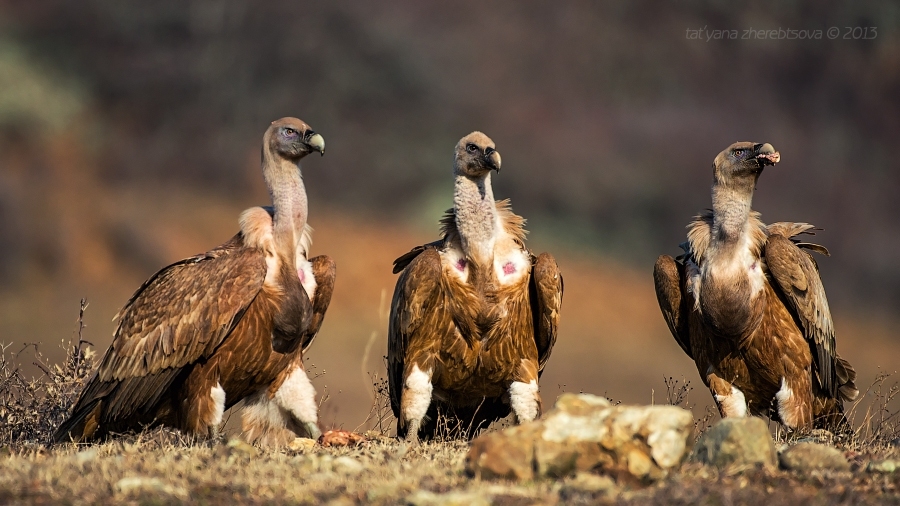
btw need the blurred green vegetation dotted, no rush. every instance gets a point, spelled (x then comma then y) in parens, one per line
(606, 115)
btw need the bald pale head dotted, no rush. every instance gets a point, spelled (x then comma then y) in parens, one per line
(742, 163)
(292, 139)
(476, 156)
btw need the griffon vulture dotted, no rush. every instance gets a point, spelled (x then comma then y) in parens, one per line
(474, 315)
(227, 325)
(746, 302)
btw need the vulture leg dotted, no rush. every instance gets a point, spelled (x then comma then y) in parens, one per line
(202, 400)
(523, 393)
(729, 399)
(414, 401)
(794, 401)
(285, 410)
(297, 398)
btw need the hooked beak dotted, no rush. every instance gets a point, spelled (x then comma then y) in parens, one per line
(493, 161)
(317, 143)
(766, 155)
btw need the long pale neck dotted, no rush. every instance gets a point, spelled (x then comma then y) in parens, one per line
(289, 201)
(476, 217)
(731, 213)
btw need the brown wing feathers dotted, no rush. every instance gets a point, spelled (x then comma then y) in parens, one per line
(188, 309)
(416, 291)
(798, 278)
(324, 270)
(546, 288)
(176, 317)
(668, 277)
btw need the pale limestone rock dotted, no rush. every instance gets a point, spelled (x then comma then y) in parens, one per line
(809, 456)
(348, 466)
(301, 444)
(583, 433)
(455, 498)
(736, 442)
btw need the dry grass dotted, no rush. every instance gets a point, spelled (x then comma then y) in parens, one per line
(32, 408)
(163, 466)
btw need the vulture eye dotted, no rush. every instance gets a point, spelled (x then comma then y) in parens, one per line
(471, 148)
(738, 152)
(289, 132)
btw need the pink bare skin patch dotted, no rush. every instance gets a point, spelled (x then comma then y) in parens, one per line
(509, 268)
(461, 265)
(302, 275)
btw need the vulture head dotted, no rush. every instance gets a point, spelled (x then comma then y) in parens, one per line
(476, 155)
(293, 139)
(742, 163)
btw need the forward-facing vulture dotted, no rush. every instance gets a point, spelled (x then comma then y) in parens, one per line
(227, 325)
(745, 301)
(474, 315)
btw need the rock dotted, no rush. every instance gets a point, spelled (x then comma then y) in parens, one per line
(141, 485)
(387, 492)
(883, 466)
(347, 466)
(374, 435)
(809, 456)
(341, 501)
(584, 432)
(587, 483)
(506, 454)
(736, 441)
(821, 436)
(455, 498)
(86, 456)
(302, 444)
(239, 447)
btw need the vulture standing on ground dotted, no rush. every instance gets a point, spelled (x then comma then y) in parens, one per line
(746, 302)
(227, 325)
(474, 315)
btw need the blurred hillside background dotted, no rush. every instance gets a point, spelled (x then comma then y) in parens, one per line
(130, 136)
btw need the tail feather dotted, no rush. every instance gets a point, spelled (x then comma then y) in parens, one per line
(81, 425)
(846, 376)
(829, 410)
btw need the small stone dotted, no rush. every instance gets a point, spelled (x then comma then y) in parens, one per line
(736, 441)
(580, 404)
(455, 498)
(240, 447)
(323, 463)
(809, 456)
(589, 483)
(302, 444)
(821, 436)
(374, 435)
(347, 466)
(142, 485)
(83, 457)
(386, 492)
(341, 501)
(883, 466)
